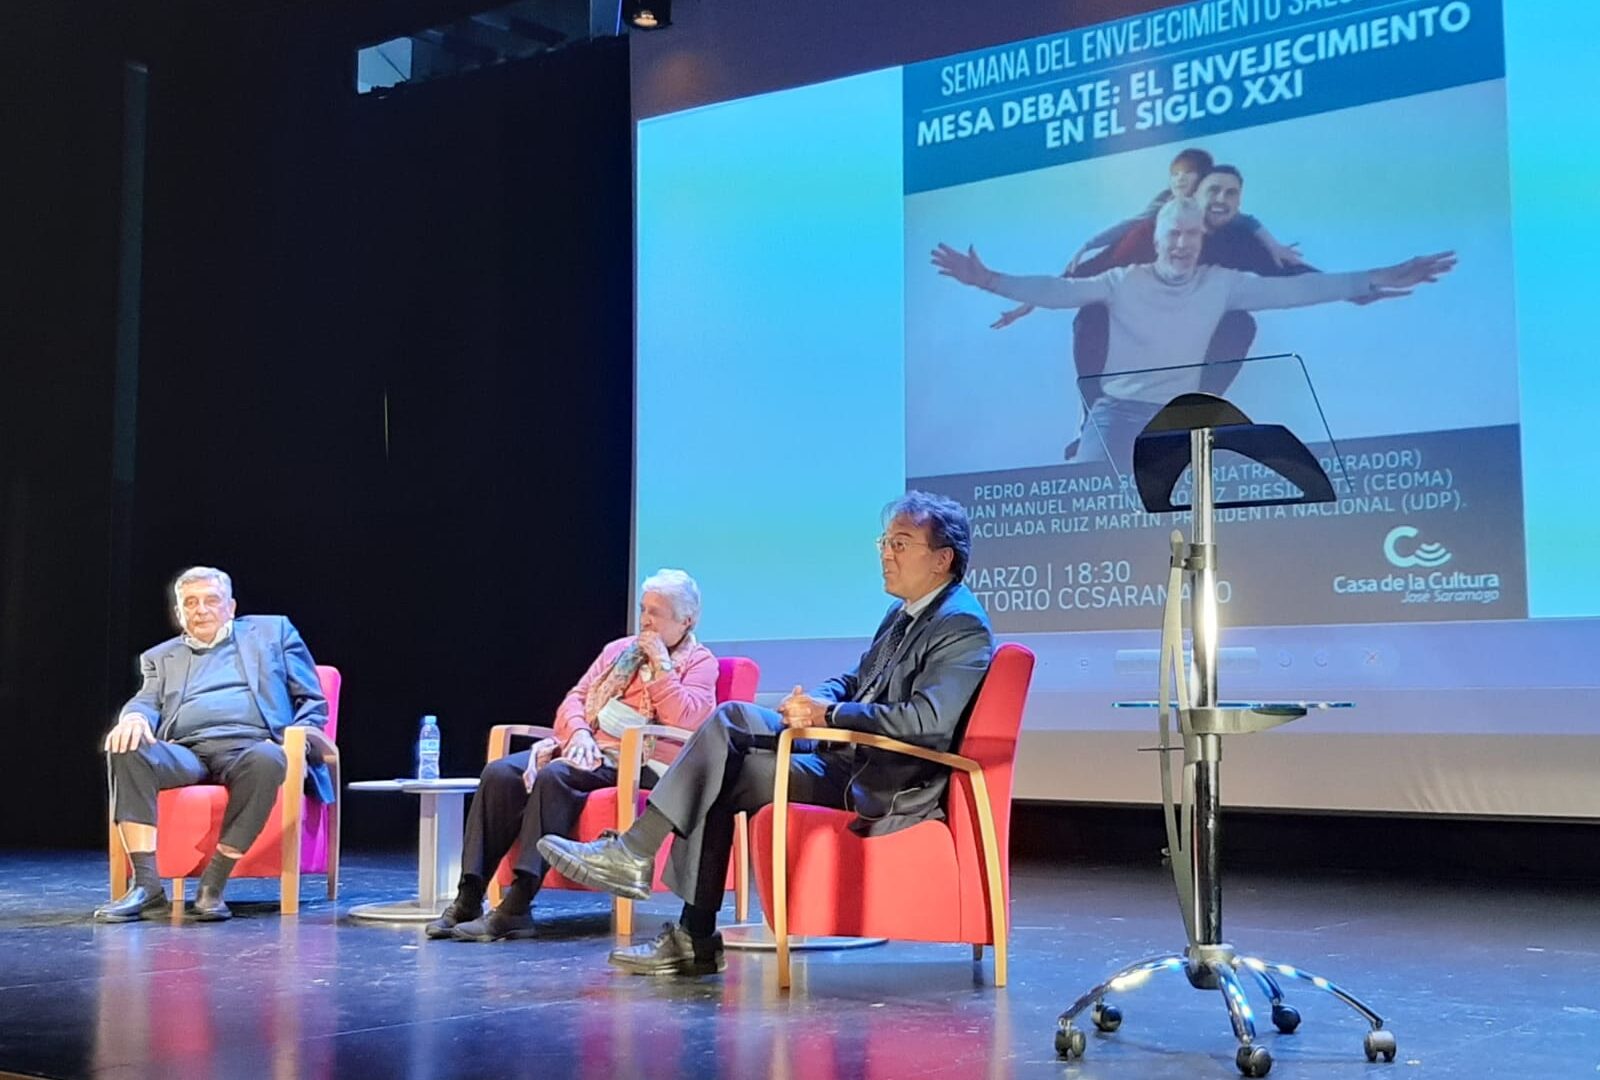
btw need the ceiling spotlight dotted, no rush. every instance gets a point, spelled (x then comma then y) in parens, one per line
(649, 14)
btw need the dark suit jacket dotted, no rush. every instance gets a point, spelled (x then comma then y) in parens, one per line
(922, 699)
(277, 665)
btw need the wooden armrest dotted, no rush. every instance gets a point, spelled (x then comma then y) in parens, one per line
(660, 731)
(878, 742)
(292, 809)
(989, 847)
(312, 736)
(630, 756)
(630, 759)
(500, 737)
(295, 740)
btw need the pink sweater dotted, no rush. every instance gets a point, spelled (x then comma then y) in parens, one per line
(682, 697)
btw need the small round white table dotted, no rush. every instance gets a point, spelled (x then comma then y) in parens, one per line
(438, 847)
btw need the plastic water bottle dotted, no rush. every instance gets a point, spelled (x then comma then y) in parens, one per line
(428, 749)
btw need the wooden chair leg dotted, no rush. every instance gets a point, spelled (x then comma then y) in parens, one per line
(119, 863)
(178, 886)
(996, 891)
(293, 805)
(780, 933)
(288, 869)
(741, 876)
(631, 755)
(780, 855)
(333, 849)
(492, 895)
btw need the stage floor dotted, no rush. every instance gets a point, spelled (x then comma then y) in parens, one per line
(1475, 980)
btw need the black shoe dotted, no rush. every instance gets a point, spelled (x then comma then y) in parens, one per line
(496, 926)
(458, 912)
(135, 904)
(673, 952)
(604, 864)
(208, 907)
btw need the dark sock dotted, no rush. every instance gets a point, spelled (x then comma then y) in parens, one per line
(519, 897)
(469, 891)
(645, 836)
(215, 877)
(144, 870)
(698, 921)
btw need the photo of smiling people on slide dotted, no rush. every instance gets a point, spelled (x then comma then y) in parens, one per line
(1163, 314)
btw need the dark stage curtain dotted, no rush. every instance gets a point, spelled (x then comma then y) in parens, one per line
(384, 379)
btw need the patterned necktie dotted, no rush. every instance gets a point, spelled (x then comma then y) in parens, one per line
(883, 655)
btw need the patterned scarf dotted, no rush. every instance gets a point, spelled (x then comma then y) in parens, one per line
(611, 685)
(615, 681)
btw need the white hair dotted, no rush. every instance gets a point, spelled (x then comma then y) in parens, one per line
(679, 588)
(1175, 210)
(202, 573)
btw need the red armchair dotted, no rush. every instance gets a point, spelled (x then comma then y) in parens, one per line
(617, 807)
(301, 835)
(935, 881)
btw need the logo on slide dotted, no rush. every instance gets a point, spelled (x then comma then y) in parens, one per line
(1429, 555)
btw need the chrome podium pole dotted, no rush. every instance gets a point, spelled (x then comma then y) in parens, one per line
(1194, 827)
(1204, 755)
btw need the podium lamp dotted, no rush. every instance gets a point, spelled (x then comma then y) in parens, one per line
(1179, 439)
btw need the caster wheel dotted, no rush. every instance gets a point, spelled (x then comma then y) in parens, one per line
(1253, 1060)
(1285, 1018)
(1070, 1042)
(1106, 1017)
(1379, 1042)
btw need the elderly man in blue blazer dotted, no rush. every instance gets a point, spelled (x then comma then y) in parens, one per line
(212, 710)
(915, 683)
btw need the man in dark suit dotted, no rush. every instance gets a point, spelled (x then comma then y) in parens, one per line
(212, 710)
(914, 683)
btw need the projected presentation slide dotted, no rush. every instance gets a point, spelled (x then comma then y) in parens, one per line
(983, 273)
(1313, 144)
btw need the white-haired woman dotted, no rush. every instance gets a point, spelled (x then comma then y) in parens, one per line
(661, 675)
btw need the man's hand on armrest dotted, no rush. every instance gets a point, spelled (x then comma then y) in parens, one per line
(132, 731)
(801, 710)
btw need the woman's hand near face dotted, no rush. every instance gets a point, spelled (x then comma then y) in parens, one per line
(653, 648)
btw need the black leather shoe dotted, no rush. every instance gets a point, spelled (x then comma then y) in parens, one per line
(604, 864)
(458, 912)
(135, 904)
(208, 907)
(673, 952)
(496, 926)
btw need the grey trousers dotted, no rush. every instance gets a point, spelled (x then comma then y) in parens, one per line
(728, 766)
(251, 769)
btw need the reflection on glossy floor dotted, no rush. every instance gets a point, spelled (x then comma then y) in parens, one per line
(1475, 981)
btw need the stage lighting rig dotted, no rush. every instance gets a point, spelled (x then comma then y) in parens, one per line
(648, 14)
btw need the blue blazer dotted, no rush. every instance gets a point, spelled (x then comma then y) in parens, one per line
(278, 667)
(922, 699)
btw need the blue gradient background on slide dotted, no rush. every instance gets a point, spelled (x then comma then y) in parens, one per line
(770, 346)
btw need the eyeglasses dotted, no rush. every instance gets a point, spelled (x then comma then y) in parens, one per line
(898, 544)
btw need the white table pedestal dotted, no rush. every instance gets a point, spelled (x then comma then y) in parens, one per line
(438, 847)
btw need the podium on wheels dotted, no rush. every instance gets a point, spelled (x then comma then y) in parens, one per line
(1171, 453)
